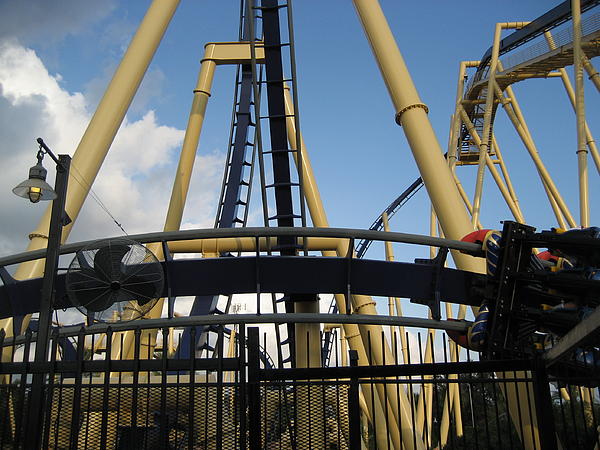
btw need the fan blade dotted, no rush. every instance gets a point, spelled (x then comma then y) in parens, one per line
(150, 272)
(83, 262)
(141, 289)
(107, 260)
(94, 301)
(85, 279)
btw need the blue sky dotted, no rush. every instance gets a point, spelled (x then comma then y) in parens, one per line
(64, 55)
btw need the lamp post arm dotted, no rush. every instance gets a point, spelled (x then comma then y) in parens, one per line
(50, 153)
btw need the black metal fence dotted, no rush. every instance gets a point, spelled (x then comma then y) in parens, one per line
(229, 398)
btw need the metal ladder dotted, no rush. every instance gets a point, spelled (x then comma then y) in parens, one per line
(236, 187)
(284, 188)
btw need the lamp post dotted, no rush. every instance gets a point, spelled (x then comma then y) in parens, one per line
(35, 189)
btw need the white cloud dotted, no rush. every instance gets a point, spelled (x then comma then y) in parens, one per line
(136, 178)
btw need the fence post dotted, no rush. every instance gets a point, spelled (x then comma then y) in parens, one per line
(243, 405)
(543, 406)
(254, 388)
(354, 406)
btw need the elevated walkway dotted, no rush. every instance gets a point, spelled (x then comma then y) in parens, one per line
(534, 61)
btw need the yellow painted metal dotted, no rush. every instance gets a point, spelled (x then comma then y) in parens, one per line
(343, 347)
(486, 137)
(508, 198)
(505, 174)
(427, 153)
(582, 153)
(454, 401)
(221, 245)
(465, 199)
(397, 303)
(94, 144)
(591, 143)
(519, 121)
(422, 140)
(356, 336)
(190, 146)
(411, 114)
(389, 256)
(591, 71)
(425, 403)
(453, 140)
(215, 53)
(484, 145)
(513, 111)
(228, 53)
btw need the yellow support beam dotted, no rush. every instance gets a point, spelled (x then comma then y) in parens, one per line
(215, 54)
(101, 130)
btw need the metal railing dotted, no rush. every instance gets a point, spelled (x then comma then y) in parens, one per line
(258, 232)
(158, 399)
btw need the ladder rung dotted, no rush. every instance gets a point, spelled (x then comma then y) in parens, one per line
(285, 80)
(285, 216)
(280, 150)
(284, 44)
(250, 123)
(277, 116)
(282, 184)
(268, 8)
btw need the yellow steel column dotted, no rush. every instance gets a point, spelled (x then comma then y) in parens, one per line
(178, 196)
(486, 137)
(453, 141)
(516, 116)
(389, 256)
(221, 53)
(103, 126)
(505, 174)
(511, 107)
(592, 72)
(412, 116)
(190, 146)
(584, 209)
(487, 124)
(503, 189)
(355, 335)
(591, 143)
(424, 417)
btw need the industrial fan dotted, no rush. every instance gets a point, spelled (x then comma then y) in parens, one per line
(114, 280)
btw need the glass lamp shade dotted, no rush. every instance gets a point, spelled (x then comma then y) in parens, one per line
(35, 187)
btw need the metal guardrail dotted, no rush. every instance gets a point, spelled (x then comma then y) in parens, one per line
(249, 319)
(564, 37)
(258, 232)
(589, 25)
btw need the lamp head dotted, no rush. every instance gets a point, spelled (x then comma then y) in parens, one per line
(35, 187)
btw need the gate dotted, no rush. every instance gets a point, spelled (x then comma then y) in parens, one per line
(233, 398)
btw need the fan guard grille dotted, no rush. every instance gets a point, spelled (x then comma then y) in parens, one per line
(114, 280)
